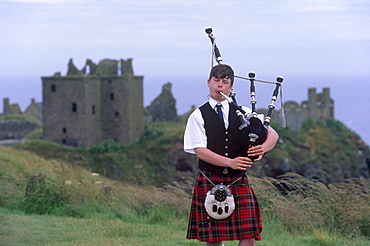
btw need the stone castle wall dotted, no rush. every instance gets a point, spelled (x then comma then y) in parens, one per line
(16, 128)
(319, 106)
(83, 109)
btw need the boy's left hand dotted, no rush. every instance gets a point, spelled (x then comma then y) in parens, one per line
(256, 151)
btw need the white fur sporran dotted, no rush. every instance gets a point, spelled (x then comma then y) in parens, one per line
(219, 202)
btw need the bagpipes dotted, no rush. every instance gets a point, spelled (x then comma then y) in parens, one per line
(253, 131)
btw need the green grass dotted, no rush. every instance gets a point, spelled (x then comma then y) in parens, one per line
(144, 162)
(37, 230)
(50, 230)
(274, 235)
(49, 195)
(18, 117)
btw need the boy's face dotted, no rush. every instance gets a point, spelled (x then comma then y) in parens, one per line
(217, 85)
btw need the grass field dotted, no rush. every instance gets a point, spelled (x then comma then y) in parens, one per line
(51, 201)
(38, 230)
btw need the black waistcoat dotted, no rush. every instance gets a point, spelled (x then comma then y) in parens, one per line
(220, 140)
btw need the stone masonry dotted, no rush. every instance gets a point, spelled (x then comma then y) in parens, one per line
(319, 106)
(84, 108)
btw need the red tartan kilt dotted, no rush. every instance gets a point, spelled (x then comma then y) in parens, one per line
(244, 223)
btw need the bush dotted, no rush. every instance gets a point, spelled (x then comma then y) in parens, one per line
(43, 196)
(108, 146)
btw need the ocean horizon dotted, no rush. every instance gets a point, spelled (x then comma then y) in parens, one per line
(350, 94)
(350, 97)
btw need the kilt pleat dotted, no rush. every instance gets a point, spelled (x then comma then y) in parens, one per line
(244, 223)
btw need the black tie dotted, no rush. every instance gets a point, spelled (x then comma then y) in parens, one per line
(219, 111)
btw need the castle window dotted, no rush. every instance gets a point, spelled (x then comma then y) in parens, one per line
(64, 129)
(74, 107)
(109, 81)
(93, 109)
(116, 115)
(112, 96)
(64, 141)
(53, 88)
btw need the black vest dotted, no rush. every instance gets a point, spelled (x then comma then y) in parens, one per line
(221, 141)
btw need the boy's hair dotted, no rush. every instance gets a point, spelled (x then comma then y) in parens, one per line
(222, 71)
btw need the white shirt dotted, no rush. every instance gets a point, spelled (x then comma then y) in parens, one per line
(195, 134)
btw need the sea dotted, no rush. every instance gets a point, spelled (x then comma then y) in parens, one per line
(350, 95)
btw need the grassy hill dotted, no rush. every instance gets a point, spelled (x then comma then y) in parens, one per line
(325, 150)
(56, 195)
(146, 162)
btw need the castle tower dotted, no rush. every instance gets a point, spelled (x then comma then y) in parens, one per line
(327, 105)
(6, 106)
(11, 109)
(317, 107)
(312, 103)
(82, 110)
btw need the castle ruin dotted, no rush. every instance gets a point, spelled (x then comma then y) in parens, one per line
(319, 106)
(99, 102)
(163, 107)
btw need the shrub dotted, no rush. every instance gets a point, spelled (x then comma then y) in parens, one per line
(108, 146)
(43, 196)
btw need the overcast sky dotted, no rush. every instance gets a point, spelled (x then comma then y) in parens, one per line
(166, 39)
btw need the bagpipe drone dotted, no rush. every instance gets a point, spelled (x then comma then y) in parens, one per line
(253, 130)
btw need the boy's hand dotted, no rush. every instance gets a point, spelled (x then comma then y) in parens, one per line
(240, 163)
(257, 151)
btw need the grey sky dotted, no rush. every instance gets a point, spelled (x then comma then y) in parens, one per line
(293, 38)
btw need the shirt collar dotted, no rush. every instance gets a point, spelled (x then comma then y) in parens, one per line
(213, 102)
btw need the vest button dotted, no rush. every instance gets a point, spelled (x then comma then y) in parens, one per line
(226, 154)
(226, 146)
(226, 139)
(226, 133)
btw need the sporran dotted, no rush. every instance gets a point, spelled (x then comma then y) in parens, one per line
(219, 202)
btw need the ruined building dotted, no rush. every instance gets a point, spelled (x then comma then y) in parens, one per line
(34, 109)
(99, 102)
(11, 109)
(13, 129)
(163, 107)
(319, 106)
